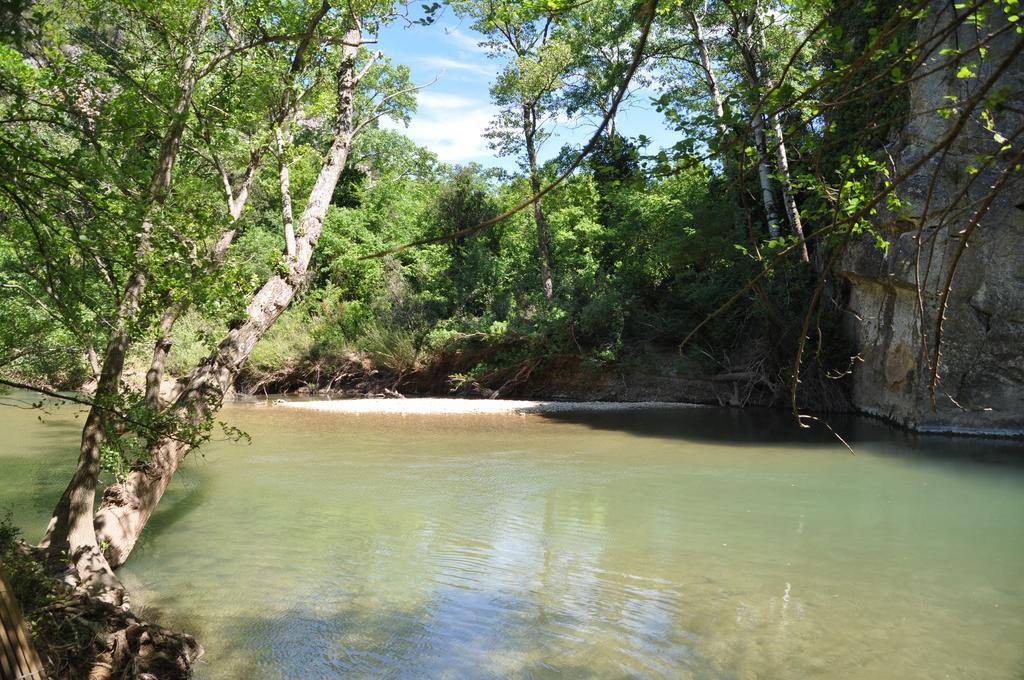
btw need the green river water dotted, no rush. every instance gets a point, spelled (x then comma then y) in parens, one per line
(692, 542)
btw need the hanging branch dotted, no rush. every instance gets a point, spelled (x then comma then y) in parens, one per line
(1010, 171)
(45, 391)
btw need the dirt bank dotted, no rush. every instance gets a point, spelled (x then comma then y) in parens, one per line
(551, 379)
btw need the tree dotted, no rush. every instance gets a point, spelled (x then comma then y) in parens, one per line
(526, 94)
(750, 34)
(746, 34)
(231, 80)
(128, 505)
(738, 51)
(601, 38)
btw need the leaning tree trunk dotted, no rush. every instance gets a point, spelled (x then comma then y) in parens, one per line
(543, 239)
(127, 506)
(70, 530)
(236, 200)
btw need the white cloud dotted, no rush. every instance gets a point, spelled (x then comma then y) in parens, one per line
(450, 125)
(442, 102)
(464, 42)
(446, 64)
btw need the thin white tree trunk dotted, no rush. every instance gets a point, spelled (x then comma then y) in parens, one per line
(792, 211)
(764, 176)
(744, 38)
(543, 238)
(709, 74)
(286, 195)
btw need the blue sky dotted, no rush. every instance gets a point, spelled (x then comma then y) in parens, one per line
(453, 113)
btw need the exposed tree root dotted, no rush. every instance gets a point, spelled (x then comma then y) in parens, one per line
(80, 636)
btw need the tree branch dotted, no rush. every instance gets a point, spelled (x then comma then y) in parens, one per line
(379, 111)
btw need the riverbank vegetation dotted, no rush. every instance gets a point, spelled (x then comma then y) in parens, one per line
(617, 264)
(197, 196)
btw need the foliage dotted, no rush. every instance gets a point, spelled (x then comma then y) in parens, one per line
(646, 243)
(28, 581)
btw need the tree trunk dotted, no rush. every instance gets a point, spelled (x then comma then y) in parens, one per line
(751, 59)
(70, 529)
(764, 176)
(709, 75)
(744, 37)
(162, 346)
(730, 167)
(611, 115)
(286, 195)
(127, 506)
(792, 211)
(236, 204)
(94, 360)
(155, 374)
(543, 241)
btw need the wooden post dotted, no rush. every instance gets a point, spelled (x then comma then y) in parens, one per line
(18, 657)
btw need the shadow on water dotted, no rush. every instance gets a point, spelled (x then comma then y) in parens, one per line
(428, 640)
(180, 501)
(53, 444)
(54, 455)
(756, 427)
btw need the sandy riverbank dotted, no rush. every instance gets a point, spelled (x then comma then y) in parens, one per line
(442, 406)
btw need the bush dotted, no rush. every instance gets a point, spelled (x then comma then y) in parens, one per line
(393, 349)
(286, 343)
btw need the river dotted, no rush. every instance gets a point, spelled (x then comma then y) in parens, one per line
(691, 542)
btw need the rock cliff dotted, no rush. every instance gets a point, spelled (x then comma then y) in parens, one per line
(981, 366)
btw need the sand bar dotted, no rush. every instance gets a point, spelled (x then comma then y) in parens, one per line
(447, 406)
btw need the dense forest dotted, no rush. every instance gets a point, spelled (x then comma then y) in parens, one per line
(198, 197)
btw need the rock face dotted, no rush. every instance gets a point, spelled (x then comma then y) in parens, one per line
(981, 366)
